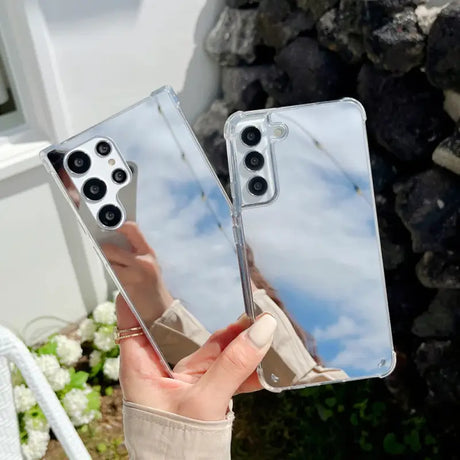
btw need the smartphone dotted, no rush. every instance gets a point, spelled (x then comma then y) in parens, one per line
(144, 193)
(307, 240)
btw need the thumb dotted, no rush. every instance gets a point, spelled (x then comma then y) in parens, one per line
(238, 361)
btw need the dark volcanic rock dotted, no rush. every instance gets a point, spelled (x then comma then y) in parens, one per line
(398, 46)
(242, 86)
(405, 114)
(209, 130)
(315, 74)
(447, 153)
(316, 8)
(443, 49)
(241, 3)
(442, 318)
(383, 172)
(429, 206)
(234, 38)
(280, 22)
(335, 35)
(441, 271)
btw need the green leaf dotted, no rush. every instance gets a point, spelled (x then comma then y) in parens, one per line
(109, 391)
(413, 441)
(430, 440)
(78, 379)
(354, 419)
(323, 413)
(331, 402)
(50, 348)
(101, 447)
(392, 446)
(94, 400)
(96, 369)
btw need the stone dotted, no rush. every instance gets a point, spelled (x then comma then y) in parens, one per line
(429, 354)
(447, 153)
(452, 104)
(209, 130)
(426, 15)
(234, 38)
(443, 49)
(405, 113)
(442, 318)
(429, 206)
(242, 86)
(383, 172)
(241, 3)
(316, 8)
(314, 74)
(393, 239)
(439, 270)
(335, 36)
(279, 22)
(398, 46)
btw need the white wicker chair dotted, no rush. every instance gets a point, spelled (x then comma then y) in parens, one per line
(13, 350)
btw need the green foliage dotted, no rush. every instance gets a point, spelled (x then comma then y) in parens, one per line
(349, 421)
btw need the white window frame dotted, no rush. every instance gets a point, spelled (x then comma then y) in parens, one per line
(28, 56)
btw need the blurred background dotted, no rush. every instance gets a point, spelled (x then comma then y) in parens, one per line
(67, 65)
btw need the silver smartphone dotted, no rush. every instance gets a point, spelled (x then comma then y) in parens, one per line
(308, 243)
(144, 193)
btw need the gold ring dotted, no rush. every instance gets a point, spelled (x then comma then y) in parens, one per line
(121, 334)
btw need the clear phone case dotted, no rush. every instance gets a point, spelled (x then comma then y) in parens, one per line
(307, 236)
(165, 207)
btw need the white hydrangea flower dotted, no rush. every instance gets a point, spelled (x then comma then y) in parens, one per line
(75, 403)
(86, 330)
(95, 358)
(111, 368)
(59, 379)
(105, 313)
(35, 424)
(104, 338)
(48, 364)
(37, 444)
(23, 398)
(69, 351)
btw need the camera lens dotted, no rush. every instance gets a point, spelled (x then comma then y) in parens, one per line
(110, 215)
(257, 186)
(94, 189)
(103, 148)
(254, 161)
(78, 162)
(119, 176)
(251, 136)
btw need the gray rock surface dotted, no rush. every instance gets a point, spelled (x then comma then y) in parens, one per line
(405, 114)
(443, 49)
(398, 46)
(439, 270)
(241, 3)
(442, 318)
(429, 206)
(447, 153)
(316, 8)
(234, 38)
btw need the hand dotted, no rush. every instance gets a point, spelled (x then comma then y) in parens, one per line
(139, 273)
(203, 382)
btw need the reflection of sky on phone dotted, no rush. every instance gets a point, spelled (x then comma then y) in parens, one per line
(316, 244)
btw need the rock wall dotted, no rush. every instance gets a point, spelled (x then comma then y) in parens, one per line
(401, 59)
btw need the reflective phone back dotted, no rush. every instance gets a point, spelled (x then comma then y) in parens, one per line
(306, 233)
(143, 191)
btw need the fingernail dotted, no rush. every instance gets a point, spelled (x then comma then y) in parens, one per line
(261, 332)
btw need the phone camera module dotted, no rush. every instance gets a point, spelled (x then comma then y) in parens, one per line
(254, 161)
(119, 176)
(251, 136)
(94, 189)
(110, 215)
(103, 148)
(78, 162)
(257, 186)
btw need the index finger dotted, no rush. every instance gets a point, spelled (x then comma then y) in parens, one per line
(135, 237)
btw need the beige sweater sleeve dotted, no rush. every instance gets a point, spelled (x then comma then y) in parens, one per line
(157, 435)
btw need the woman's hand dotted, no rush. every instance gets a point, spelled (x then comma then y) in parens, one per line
(139, 273)
(203, 382)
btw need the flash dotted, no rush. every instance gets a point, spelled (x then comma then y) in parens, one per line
(111, 162)
(279, 131)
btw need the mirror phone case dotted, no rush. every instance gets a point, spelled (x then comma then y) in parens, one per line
(307, 240)
(145, 194)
